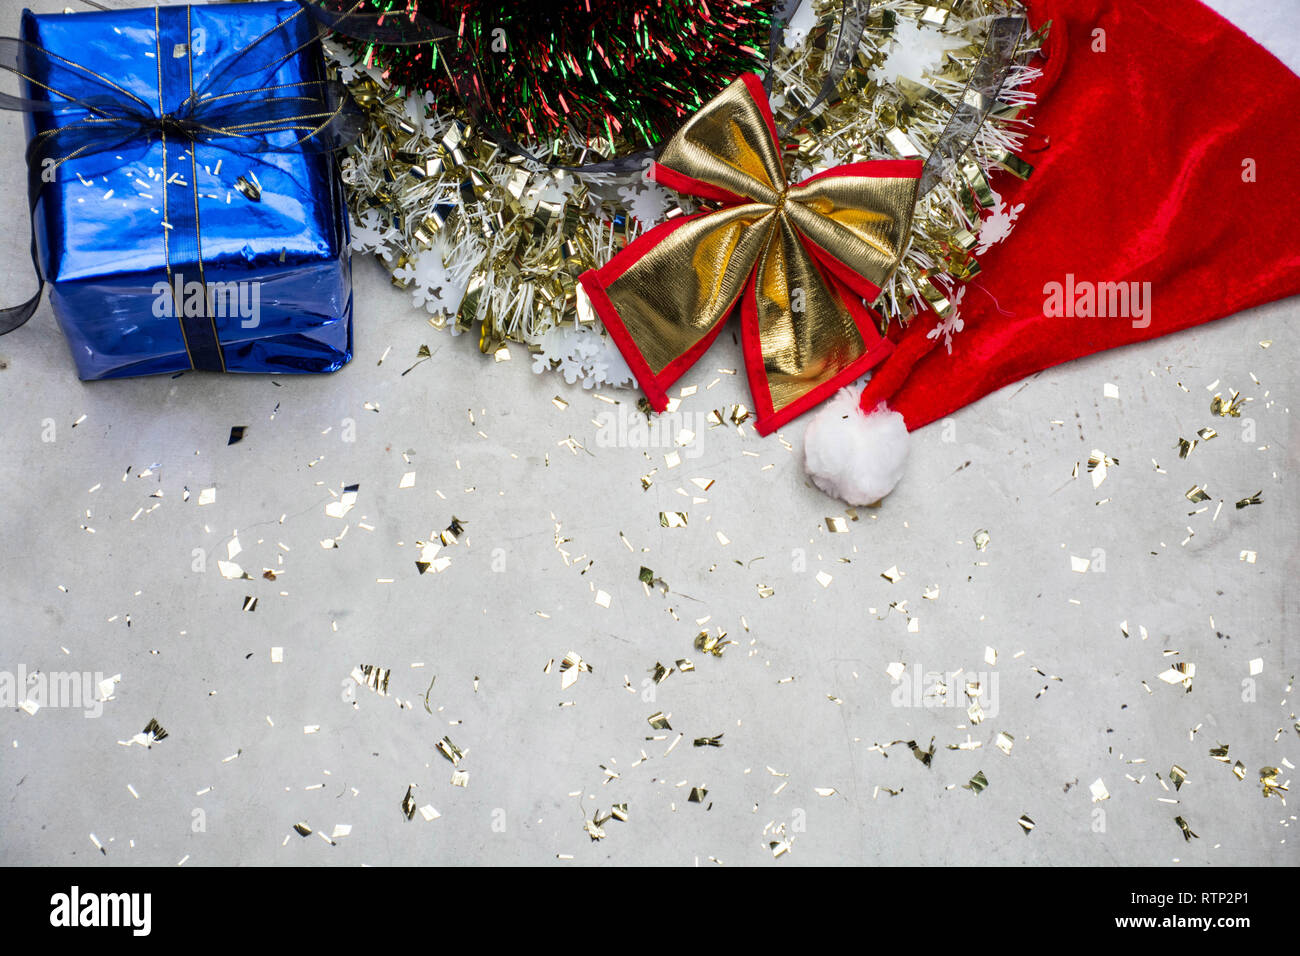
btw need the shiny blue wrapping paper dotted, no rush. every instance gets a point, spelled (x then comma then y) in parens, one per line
(100, 230)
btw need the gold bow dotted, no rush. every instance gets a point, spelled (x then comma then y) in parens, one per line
(804, 256)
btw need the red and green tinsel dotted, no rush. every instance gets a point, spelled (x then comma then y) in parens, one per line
(613, 72)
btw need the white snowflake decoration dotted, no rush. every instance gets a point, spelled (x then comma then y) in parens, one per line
(917, 49)
(800, 25)
(647, 201)
(998, 224)
(951, 325)
(370, 234)
(580, 353)
(431, 285)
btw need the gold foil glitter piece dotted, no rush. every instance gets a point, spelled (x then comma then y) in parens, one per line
(978, 783)
(1268, 781)
(711, 644)
(1226, 408)
(450, 751)
(249, 189)
(1188, 835)
(659, 721)
(1254, 499)
(1026, 824)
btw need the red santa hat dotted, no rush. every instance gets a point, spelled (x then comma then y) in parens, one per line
(1165, 178)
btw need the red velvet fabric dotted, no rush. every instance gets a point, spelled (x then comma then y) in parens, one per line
(1140, 181)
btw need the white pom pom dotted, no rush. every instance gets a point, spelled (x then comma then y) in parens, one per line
(853, 456)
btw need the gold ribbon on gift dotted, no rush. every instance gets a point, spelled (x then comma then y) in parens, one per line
(800, 259)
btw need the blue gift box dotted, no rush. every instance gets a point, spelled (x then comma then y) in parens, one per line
(164, 254)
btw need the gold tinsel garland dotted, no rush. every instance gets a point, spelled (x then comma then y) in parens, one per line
(487, 241)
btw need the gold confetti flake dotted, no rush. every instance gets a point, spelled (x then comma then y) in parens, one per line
(1098, 464)
(697, 795)
(837, 526)
(1268, 780)
(1178, 776)
(571, 667)
(672, 519)
(345, 502)
(765, 591)
(1226, 408)
(1254, 499)
(1220, 753)
(376, 678)
(1180, 673)
(1026, 824)
(1098, 791)
(450, 751)
(715, 645)
(1188, 835)
(926, 756)
(1196, 494)
(982, 539)
(714, 741)
(659, 721)
(1005, 742)
(892, 575)
(978, 783)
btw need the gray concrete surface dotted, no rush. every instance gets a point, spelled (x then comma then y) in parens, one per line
(110, 572)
